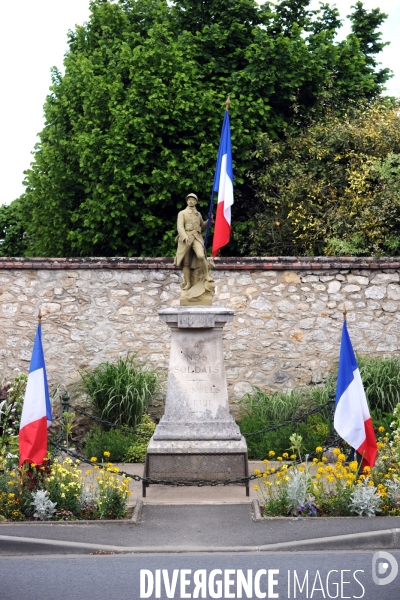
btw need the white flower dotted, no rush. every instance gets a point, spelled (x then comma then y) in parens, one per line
(365, 502)
(45, 508)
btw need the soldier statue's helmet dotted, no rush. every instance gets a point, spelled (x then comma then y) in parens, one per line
(192, 196)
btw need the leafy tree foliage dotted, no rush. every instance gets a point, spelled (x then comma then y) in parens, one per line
(332, 189)
(12, 239)
(133, 124)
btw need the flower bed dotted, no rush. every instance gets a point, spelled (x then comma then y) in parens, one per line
(56, 490)
(316, 488)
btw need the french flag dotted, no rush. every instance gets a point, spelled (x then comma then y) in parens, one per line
(352, 418)
(36, 411)
(223, 184)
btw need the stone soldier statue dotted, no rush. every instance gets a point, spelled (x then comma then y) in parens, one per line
(191, 252)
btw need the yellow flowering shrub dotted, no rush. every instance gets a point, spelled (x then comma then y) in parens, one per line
(330, 489)
(331, 189)
(113, 493)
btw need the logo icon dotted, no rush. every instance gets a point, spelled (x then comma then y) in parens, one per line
(381, 574)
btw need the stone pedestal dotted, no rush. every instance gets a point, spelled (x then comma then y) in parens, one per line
(197, 438)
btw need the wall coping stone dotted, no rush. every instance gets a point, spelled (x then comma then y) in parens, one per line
(261, 263)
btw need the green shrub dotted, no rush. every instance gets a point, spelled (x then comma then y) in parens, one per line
(122, 446)
(381, 419)
(120, 392)
(136, 453)
(115, 441)
(261, 410)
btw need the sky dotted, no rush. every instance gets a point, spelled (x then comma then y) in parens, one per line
(34, 39)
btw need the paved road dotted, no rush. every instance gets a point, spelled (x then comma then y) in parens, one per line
(110, 577)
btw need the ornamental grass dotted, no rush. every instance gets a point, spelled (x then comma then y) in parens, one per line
(120, 392)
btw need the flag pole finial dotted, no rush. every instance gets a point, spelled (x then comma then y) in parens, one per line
(40, 317)
(344, 312)
(227, 103)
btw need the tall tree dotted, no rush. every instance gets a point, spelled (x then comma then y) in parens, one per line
(12, 235)
(133, 124)
(334, 188)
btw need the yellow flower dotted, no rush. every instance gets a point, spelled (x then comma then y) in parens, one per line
(93, 459)
(12, 474)
(285, 455)
(255, 487)
(324, 459)
(271, 453)
(89, 472)
(341, 457)
(318, 449)
(381, 429)
(321, 470)
(96, 467)
(371, 483)
(257, 471)
(10, 483)
(315, 460)
(279, 458)
(63, 495)
(106, 453)
(33, 465)
(353, 466)
(11, 495)
(336, 451)
(366, 469)
(265, 461)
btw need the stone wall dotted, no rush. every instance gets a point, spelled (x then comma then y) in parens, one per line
(286, 330)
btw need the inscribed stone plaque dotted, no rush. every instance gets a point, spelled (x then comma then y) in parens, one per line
(199, 321)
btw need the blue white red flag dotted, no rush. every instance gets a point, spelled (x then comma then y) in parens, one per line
(36, 411)
(223, 184)
(352, 418)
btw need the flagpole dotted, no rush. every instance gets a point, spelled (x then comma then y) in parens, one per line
(344, 312)
(227, 104)
(40, 317)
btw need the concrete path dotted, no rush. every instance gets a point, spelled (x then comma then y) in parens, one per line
(162, 494)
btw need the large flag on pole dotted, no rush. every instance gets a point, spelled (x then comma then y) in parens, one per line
(36, 411)
(352, 419)
(223, 184)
